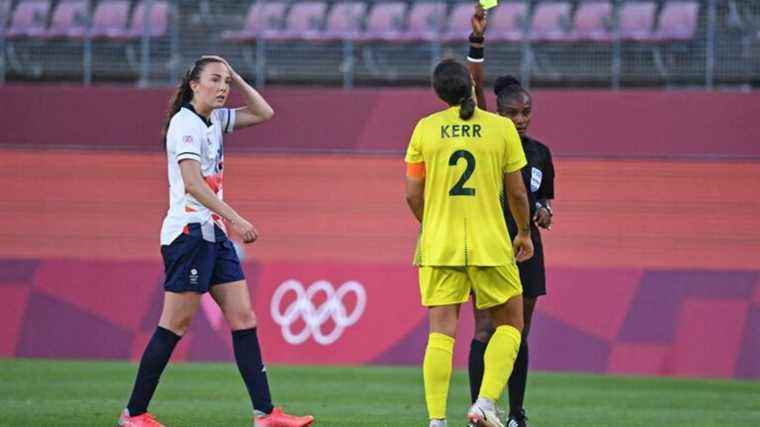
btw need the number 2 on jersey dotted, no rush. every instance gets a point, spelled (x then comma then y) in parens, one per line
(459, 189)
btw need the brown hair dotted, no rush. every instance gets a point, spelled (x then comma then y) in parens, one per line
(183, 94)
(452, 83)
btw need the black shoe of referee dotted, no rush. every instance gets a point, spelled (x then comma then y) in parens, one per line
(517, 419)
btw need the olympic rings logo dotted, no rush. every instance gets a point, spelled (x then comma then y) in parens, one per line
(314, 317)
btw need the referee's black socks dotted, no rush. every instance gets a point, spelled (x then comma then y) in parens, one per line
(518, 381)
(245, 342)
(476, 366)
(152, 364)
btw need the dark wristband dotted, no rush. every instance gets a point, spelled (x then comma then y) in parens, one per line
(476, 39)
(476, 54)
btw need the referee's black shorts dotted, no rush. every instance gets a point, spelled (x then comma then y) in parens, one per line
(532, 271)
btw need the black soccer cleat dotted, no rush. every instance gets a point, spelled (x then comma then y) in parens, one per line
(517, 419)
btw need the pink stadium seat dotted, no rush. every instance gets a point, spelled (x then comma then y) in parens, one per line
(593, 22)
(550, 22)
(459, 23)
(5, 13)
(261, 17)
(507, 22)
(305, 21)
(426, 21)
(110, 19)
(158, 20)
(678, 21)
(637, 21)
(69, 20)
(343, 22)
(29, 19)
(385, 22)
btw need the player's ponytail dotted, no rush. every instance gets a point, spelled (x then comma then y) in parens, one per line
(467, 109)
(452, 83)
(183, 93)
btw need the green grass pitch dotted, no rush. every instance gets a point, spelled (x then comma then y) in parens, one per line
(64, 393)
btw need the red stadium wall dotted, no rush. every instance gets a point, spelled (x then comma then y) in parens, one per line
(574, 123)
(653, 264)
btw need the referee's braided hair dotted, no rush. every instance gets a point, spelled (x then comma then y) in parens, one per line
(184, 93)
(508, 88)
(452, 83)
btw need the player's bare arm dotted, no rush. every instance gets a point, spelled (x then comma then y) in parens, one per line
(475, 65)
(200, 190)
(518, 205)
(415, 196)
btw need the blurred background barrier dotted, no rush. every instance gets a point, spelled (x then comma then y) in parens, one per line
(603, 320)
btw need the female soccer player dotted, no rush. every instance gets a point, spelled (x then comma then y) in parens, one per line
(198, 255)
(459, 161)
(514, 102)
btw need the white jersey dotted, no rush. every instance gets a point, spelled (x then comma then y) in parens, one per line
(190, 136)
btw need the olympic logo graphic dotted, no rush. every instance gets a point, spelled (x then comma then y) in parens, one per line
(314, 317)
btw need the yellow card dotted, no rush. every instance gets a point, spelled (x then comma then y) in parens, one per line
(488, 4)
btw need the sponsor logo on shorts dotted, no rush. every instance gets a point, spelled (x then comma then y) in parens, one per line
(194, 277)
(331, 310)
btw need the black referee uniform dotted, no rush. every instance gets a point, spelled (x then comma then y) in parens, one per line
(538, 176)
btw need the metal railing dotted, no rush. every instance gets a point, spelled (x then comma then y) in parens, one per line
(723, 49)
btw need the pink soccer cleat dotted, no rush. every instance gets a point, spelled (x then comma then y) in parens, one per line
(144, 420)
(280, 419)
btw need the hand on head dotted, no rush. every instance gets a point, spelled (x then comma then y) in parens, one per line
(222, 60)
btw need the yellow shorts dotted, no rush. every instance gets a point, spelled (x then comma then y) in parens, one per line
(442, 285)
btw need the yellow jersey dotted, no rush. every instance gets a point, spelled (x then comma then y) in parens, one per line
(465, 163)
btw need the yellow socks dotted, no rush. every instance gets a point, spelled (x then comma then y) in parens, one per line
(499, 358)
(436, 371)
